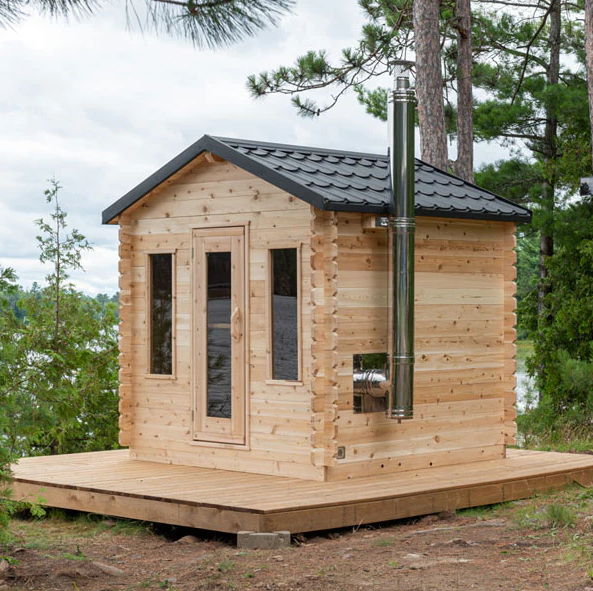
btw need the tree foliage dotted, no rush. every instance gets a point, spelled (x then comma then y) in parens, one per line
(8, 285)
(566, 344)
(58, 357)
(384, 36)
(205, 23)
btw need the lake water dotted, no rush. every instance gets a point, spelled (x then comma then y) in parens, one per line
(525, 388)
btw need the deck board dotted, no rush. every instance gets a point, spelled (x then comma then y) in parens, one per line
(111, 483)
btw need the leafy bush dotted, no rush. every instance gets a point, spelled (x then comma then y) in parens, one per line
(566, 415)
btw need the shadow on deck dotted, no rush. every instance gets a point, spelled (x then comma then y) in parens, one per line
(110, 483)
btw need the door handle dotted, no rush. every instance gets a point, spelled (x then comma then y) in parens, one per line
(236, 331)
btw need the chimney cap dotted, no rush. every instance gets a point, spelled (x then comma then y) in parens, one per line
(401, 74)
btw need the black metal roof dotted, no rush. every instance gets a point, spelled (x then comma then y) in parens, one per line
(337, 180)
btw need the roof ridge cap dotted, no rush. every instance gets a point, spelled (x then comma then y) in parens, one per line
(298, 148)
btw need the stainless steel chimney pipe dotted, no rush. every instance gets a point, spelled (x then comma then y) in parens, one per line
(397, 382)
(401, 369)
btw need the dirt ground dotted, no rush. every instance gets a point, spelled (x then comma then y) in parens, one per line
(541, 543)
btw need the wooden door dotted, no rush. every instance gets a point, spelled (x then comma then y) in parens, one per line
(219, 334)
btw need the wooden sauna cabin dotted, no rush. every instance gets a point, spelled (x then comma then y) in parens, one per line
(255, 283)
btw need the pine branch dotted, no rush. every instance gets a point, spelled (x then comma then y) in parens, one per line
(214, 23)
(494, 44)
(312, 71)
(207, 23)
(513, 4)
(528, 49)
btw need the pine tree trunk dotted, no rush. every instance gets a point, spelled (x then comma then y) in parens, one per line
(589, 60)
(546, 249)
(429, 83)
(464, 165)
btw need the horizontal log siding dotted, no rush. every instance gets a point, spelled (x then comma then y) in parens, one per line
(156, 413)
(510, 335)
(464, 337)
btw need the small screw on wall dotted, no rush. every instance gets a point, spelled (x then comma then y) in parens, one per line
(341, 453)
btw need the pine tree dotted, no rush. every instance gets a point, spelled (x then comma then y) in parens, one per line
(463, 166)
(535, 103)
(58, 372)
(429, 83)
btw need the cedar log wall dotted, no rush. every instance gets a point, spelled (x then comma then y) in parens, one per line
(464, 380)
(155, 420)
(464, 344)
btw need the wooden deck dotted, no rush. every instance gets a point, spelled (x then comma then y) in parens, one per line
(109, 483)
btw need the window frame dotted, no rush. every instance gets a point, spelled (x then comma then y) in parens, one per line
(270, 315)
(148, 309)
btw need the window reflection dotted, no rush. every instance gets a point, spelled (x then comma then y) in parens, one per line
(219, 343)
(285, 338)
(161, 314)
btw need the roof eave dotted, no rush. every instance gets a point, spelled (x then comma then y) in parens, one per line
(440, 213)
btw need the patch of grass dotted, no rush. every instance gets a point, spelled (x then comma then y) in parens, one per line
(53, 514)
(484, 512)
(41, 543)
(69, 556)
(78, 555)
(383, 543)
(563, 443)
(226, 566)
(526, 516)
(580, 550)
(90, 524)
(325, 570)
(9, 559)
(560, 516)
(129, 527)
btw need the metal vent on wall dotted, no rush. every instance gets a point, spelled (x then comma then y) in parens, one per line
(367, 365)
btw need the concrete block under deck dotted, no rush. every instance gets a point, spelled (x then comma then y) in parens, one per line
(110, 483)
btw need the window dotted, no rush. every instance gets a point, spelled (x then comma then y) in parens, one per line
(284, 311)
(161, 314)
(219, 337)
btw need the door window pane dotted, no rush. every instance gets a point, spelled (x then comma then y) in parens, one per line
(285, 326)
(161, 314)
(219, 342)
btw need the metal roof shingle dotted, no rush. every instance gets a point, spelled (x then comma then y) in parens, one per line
(337, 180)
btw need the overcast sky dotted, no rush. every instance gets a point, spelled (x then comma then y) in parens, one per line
(100, 108)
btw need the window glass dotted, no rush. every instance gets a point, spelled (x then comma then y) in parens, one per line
(161, 314)
(219, 342)
(285, 326)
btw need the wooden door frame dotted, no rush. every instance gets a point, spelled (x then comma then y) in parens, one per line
(238, 423)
